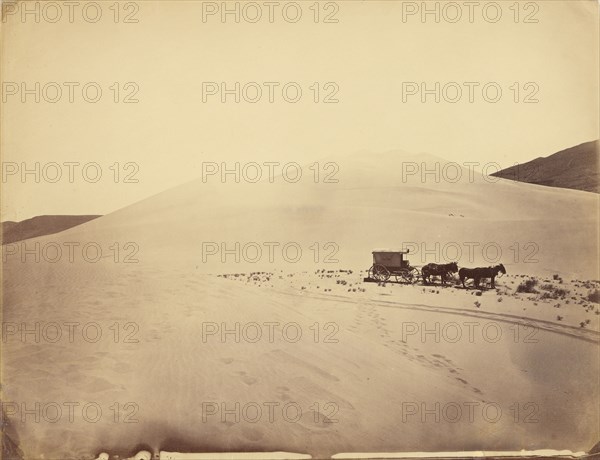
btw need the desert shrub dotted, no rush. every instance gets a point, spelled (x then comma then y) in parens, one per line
(594, 296)
(553, 292)
(528, 286)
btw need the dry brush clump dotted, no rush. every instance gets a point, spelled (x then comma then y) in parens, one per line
(528, 286)
(553, 292)
(550, 290)
(594, 296)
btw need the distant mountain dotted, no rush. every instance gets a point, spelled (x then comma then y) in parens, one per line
(575, 167)
(8, 225)
(39, 226)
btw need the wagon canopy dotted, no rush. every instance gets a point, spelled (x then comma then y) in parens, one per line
(389, 257)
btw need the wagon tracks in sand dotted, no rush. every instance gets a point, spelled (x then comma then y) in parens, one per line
(586, 335)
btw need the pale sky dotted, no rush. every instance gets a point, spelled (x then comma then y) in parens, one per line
(368, 55)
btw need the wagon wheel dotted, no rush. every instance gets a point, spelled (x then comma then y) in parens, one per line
(380, 273)
(416, 274)
(409, 275)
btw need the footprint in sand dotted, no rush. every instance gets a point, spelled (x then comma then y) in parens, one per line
(226, 360)
(246, 378)
(122, 367)
(283, 393)
(449, 361)
(154, 335)
(462, 380)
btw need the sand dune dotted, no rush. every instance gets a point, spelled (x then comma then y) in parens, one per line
(537, 229)
(354, 380)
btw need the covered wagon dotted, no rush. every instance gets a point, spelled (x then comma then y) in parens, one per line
(389, 263)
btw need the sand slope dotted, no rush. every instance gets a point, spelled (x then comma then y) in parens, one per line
(371, 206)
(168, 374)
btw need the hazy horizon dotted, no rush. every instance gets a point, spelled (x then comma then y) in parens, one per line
(368, 55)
(154, 192)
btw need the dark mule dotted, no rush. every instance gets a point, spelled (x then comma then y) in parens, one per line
(442, 271)
(477, 274)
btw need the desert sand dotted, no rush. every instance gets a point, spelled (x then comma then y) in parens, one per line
(321, 362)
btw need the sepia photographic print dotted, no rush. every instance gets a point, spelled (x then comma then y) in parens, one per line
(303, 229)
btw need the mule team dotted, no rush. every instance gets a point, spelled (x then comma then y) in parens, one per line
(476, 274)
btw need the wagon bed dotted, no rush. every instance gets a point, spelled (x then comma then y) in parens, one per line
(391, 263)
